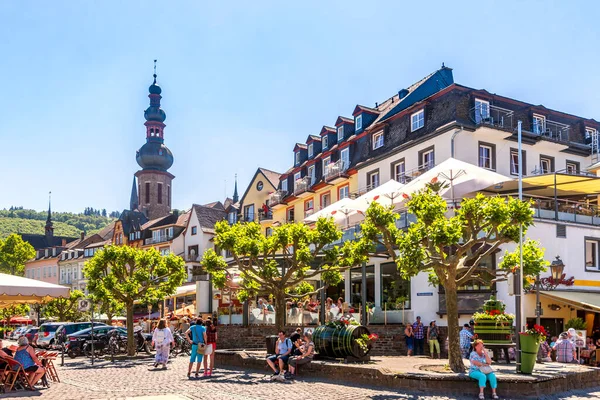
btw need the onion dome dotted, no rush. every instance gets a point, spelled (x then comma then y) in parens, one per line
(154, 155)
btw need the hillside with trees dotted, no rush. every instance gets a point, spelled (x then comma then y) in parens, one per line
(25, 221)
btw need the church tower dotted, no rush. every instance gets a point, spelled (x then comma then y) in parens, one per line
(154, 180)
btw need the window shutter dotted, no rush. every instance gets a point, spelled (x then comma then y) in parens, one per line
(561, 231)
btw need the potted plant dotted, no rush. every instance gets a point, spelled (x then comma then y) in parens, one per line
(529, 342)
(493, 325)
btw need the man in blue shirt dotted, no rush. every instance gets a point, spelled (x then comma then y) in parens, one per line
(465, 340)
(283, 349)
(198, 336)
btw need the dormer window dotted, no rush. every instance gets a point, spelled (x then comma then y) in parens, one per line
(284, 187)
(539, 124)
(340, 133)
(358, 122)
(297, 157)
(378, 140)
(310, 150)
(325, 141)
(417, 120)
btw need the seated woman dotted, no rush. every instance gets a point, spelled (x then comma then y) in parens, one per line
(308, 351)
(481, 369)
(31, 364)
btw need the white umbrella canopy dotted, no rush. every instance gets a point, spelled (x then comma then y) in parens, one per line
(389, 193)
(339, 211)
(16, 289)
(461, 179)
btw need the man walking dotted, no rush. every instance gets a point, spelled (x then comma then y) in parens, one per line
(419, 334)
(465, 340)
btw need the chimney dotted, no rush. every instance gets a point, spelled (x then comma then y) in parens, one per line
(82, 235)
(64, 242)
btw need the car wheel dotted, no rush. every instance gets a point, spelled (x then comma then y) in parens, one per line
(73, 353)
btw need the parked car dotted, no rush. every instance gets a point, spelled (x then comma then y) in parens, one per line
(18, 332)
(46, 334)
(30, 334)
(72, 327)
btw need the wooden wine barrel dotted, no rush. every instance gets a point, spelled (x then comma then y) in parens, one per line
(339, 343)
(489, 332)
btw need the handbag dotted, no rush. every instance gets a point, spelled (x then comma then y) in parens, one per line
(200, 348)
(486, 369)
(208, 349)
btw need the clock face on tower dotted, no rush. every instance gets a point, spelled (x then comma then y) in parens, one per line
(259, 186)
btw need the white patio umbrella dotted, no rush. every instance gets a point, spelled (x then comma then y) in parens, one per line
(389, 193)
(16, 289)
(339, 211)
(461, 177)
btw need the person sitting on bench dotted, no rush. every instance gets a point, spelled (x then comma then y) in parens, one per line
(307, 354)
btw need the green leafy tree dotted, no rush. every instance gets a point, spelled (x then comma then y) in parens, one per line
(15, 310)
(105, 303)
(128, 274)
(65, 308)
(14, 252)
(450, 248)
(279, 263)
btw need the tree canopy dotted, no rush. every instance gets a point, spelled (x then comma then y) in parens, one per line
(280, 263)
(65, 309)
(451, 247)
(129, 274)
(14, 252)
(15, 310)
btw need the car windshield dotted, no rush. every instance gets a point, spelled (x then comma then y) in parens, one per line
(49, 328)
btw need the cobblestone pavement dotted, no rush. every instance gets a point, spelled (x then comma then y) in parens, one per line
(127, 379)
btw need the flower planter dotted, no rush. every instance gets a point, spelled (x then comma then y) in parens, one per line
(492, 332)
(339, 342)
(529, 345)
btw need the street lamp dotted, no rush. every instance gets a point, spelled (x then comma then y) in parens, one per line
(550, 283)
(149, 312)
(557, 267)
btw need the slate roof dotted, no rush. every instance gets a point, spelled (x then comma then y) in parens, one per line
(207, 216)
(107, 232)
(132, 220)
(39, 241)
(215, 204)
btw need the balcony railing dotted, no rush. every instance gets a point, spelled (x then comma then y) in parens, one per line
(302, 185)
(158, 239)
(265, 216)
(497, 117)
(552, 130)
(336, 170)
(276, 198)
(567, 211)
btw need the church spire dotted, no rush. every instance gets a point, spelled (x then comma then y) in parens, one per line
(133, 202)
(49, 228)
(236, 198)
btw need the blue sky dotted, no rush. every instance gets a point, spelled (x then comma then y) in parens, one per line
(242, 82)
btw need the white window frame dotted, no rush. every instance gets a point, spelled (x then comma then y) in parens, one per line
(325, 141)
(358, 122)
(596, 245)
(589, 132)
(310, 150)
(548, 161)
(328, 202)
(345, 190)
(309, 205)
(345, 159)
(378, 140)
(326, 162)
(539, 124)
(340, 133)
(311, 174)
(297, 158)
(402, 178)
(417, 120)
(480, 106)
(297, 177)
(284, 187)
(374, 180)
(574, 170)
(430, 163)
(514, 162)
(482, 157)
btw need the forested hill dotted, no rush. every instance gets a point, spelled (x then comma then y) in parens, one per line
(19, 220)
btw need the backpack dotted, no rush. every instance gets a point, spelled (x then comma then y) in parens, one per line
(160, 336)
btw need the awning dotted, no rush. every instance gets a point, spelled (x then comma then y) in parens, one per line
(588, 301)
(543, 185)
(183, 291)
(16, 289)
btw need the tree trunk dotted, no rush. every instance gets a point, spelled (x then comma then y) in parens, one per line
(130, 341)
(454, 355)
(280, 310)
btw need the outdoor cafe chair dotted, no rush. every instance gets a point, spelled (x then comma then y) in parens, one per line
(15, 375)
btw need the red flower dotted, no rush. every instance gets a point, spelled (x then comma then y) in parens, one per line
(405, 196)
(373, 336)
